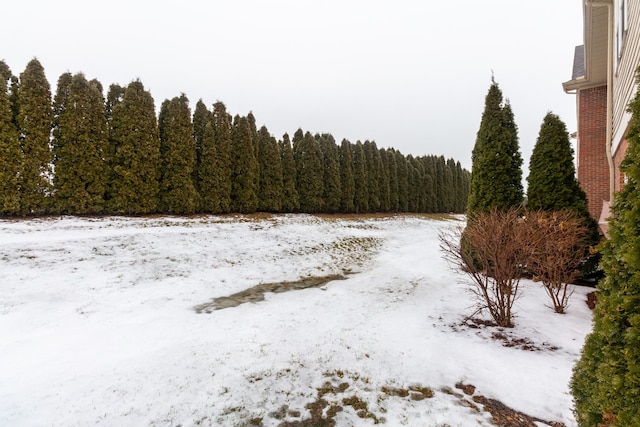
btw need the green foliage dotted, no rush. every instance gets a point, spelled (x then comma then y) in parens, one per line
(134, 149)
(347, 181)
(384, 183)
(290, 201)
(360, 178)
(270, 192)
(332, 182)
(606, 380)
(116, 156)
(10, 154)
(206, 174)
(552, 185)
(372, 166)
(244, 179)
(80, 146)
(496, 177)
(392, 166)
(222, 130)
(308, 157)
(177, 193)
(34, 125)
(403, 182)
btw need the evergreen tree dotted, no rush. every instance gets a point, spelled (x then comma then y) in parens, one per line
(606, 380)
(496, 176)
(403, 182)
(12, 85)
(177, 193)
(35, 118)
(428, 182)
(450, 182)
(394, 202)
(206, 174)
(461, 188)
(443, 185)
(331, 178)
(552, 185)
(222, 129)
(372, 158)
(360, 178)
(270, 192)
(80, 146)
(134, 149)
(11, 157)
(310, 173)
(290, 202)
(384, 186)
(347, 182)
(115, 95)
(244, 179)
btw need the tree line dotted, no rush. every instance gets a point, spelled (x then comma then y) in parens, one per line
(81, 153)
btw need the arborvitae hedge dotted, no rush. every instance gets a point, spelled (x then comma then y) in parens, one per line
(116, 156)
(606, 380)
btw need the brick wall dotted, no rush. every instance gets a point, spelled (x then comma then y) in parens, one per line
(593, 168)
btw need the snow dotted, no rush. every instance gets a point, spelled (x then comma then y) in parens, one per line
(98, 325)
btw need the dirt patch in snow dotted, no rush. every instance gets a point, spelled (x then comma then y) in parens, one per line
(256, 293)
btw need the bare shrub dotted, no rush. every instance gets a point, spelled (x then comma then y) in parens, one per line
(558, 244)
(491, 250)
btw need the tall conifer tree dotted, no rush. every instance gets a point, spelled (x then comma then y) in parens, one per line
(384, 186)
(347, 185)
(80, 146)
(552, 184)
(270, 191)
(11, 157)
(244, 179)
(308, 158)
(496, 176)
(206, 174)
(290, 202)
(360, 178)
(222, 129)
(403, 182)
(134, 159)
(177, 193)
(331, 177)
(35, 118)
(372, 159)
(393, 180)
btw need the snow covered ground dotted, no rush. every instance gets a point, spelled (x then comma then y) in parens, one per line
(98, 326)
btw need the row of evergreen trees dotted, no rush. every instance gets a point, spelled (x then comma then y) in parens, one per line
(496, 182)
(83, 154)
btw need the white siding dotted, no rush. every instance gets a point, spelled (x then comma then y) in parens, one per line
(624, 76)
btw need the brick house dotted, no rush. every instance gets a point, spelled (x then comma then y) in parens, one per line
(603, 81)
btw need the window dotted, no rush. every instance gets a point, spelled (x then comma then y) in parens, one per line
(621, 25)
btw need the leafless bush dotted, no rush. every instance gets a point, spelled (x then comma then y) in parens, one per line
(491, 250)
(558, 244)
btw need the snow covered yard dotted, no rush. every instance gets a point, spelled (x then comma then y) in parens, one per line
(98, 326)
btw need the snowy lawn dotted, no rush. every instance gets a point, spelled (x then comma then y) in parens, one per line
(98, 326)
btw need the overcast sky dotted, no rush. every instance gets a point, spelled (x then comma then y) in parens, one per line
(408, 74)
